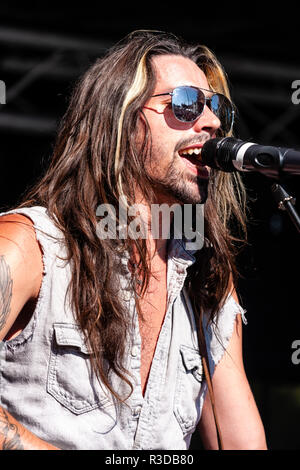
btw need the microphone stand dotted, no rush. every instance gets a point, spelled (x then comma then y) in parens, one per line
(270, 165)
(286, 202)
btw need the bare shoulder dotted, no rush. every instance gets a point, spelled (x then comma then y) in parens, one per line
(18, 240)
(18, 225)
(21, 267)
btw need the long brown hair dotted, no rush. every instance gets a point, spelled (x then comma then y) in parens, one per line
(96, 161)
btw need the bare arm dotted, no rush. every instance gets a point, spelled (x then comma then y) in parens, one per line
(13, 436)
(20, 278)
(20, 268)
(238, 416)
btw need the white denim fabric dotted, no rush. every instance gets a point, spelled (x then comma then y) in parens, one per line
(45, 374)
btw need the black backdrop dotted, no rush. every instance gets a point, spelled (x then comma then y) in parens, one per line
(44, 48)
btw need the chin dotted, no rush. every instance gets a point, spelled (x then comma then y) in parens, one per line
(192, 192)
(181, 188)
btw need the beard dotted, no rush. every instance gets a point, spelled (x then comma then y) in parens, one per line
(181, 187)
(176, 184)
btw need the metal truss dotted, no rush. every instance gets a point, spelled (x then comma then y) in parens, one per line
(261, 90)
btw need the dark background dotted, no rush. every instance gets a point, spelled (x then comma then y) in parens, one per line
(45, 46)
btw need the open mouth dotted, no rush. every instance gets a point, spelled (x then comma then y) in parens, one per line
(192, 159)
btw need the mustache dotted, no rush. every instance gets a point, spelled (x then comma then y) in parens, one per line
(199, 139)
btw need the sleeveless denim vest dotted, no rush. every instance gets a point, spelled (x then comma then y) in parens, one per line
(45, 375)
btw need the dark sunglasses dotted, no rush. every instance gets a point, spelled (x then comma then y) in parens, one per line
(188, 104)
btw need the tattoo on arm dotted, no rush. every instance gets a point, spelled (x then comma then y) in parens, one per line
(5, 290)
(9, 431)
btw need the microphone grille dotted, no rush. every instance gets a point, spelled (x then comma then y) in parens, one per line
(208, 153)
(217, 153)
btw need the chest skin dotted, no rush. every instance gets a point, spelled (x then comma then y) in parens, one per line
(153, 307)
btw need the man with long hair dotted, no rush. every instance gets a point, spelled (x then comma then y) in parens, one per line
(109, 339)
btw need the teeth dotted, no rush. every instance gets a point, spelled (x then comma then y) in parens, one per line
(195, 151)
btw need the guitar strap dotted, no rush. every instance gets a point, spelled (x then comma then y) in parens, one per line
(205, 363)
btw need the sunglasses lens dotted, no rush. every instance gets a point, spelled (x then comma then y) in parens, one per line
(222, 108)
(188, 103)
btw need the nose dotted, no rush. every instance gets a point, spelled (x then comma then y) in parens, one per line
(207, 121)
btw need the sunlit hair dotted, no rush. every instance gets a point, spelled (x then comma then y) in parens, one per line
(97, 160)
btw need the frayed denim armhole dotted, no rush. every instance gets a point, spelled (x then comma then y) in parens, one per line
(45, 235)
(43, 227)
(218, 334)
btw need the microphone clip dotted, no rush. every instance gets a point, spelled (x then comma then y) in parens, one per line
(286, 202)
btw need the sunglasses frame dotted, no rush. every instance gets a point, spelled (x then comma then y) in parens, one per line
(206, 99)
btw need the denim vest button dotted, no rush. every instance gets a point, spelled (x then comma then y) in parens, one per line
(136, 411)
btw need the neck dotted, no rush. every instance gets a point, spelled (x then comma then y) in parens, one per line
(158, 236)
(158, 219)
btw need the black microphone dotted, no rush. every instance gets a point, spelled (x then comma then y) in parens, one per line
(229, 154)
